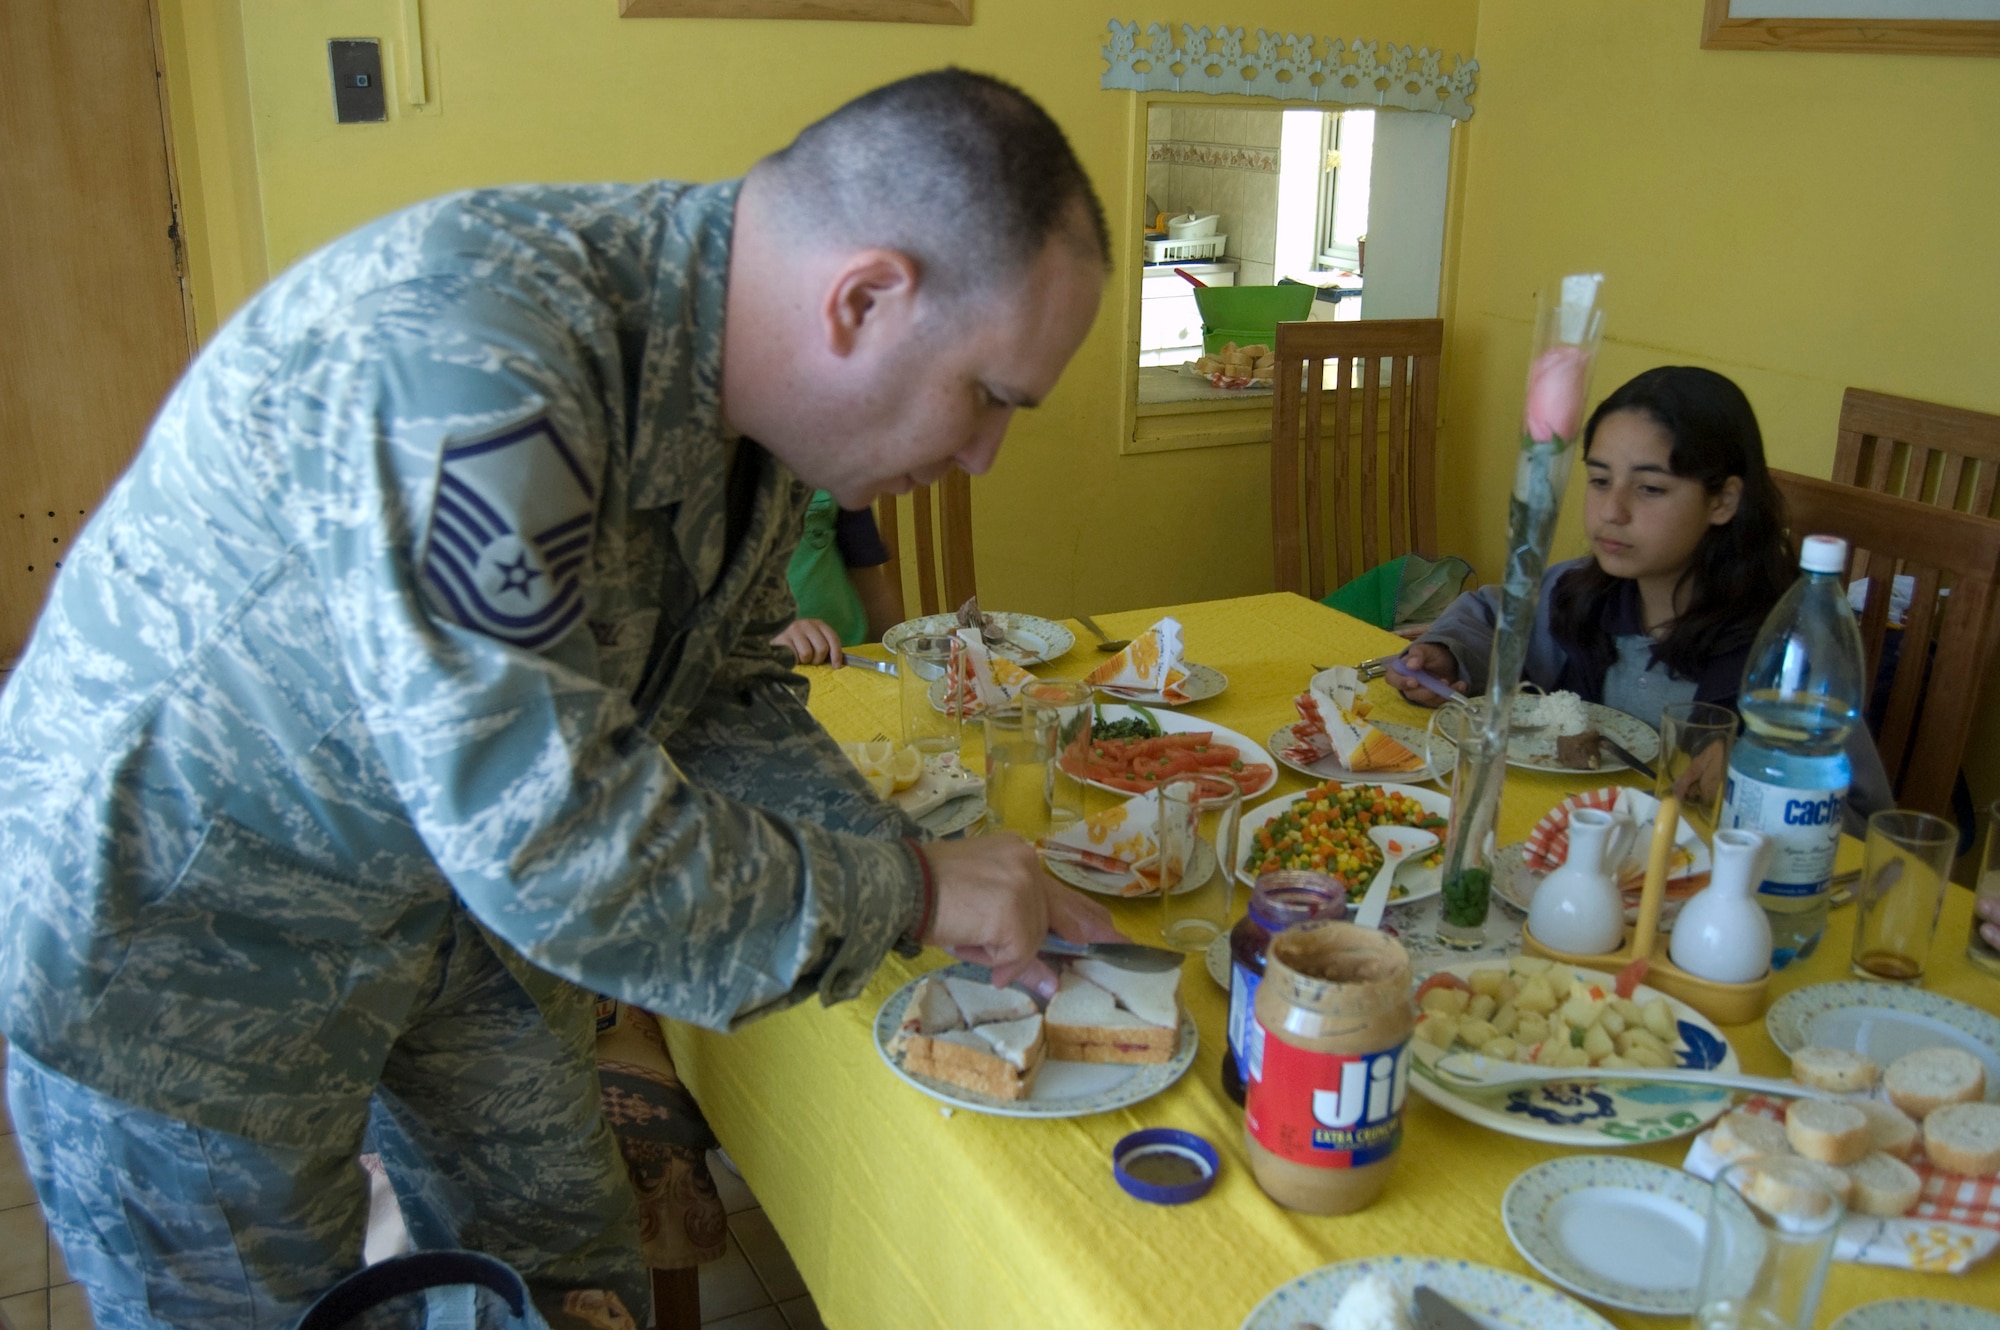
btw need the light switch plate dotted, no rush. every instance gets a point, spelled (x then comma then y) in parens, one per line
(358, 96)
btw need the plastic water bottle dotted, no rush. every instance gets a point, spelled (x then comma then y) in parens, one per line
(1789, 773)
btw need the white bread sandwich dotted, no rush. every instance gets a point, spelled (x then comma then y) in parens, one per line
(1827, 1130)
(1884, 1186)
(1890, 1129)
(1154, 996)
(1086, 1024)
(1834, 1069)
(1931, 1078)
(977, 1037)
(1965, 1139)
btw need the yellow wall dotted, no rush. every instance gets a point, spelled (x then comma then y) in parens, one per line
(565, 90)
(1800, 222)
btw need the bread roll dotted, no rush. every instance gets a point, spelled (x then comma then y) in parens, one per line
(1930, 1078)
(1835, 1069)
(1740, 1135)
(1890, 1129)
(1827, 1130)
(1883, 1186)
(1964, 1138)
(1779, 1189)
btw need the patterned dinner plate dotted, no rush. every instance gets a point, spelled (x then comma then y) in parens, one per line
(1216, 961)
(1603, 1114)
(1917, 1314)
(1031, 639)
(1198, 874)
(1330, 768)
(1534, 748)
(1062, 1090)
(1202, 683)
(1623, 1232)
(1494, 1298)
(1173, 722)
(1883, 1022)
(1415, 880)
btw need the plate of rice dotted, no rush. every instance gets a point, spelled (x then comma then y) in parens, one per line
(1559, 731)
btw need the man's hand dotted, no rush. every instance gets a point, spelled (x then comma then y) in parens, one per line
(812, 641)
(1431, 658)
(1987, 912)
(995, 905)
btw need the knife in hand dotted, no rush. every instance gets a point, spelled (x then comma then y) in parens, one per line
(1124, 955)
(1438, 1312)
(887, 667)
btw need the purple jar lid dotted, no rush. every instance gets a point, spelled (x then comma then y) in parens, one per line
(1165, 1166)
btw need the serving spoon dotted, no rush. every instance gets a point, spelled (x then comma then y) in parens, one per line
(1396, 844)
(1104, 643)
(1476, 1072)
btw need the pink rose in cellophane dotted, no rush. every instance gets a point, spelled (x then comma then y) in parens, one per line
(1555, 393)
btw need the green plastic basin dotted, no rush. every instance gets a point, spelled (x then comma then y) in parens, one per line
(1247, 315)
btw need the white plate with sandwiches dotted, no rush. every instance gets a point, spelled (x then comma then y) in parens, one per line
(1883, 1022)
(1200, 870)
(1414, 880)
(1438, 753)
(999, 1051)
(1600, 1114)
(1496, 1299)
(1030, 639)
(1202, 683)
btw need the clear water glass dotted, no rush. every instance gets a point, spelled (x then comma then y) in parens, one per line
(1772, 1221)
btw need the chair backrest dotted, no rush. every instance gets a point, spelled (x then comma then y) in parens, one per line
(1947, 643)
(1383, 480)
(941, 523)
(1941, 455)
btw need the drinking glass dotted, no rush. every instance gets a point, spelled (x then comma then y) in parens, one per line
(1771, 1225)
(1903, 876)
(920, 663)
(1477, 764)
(1193, 913)
(1058, 710)
(1693, 764)
(1977, 949)
(1017, 775)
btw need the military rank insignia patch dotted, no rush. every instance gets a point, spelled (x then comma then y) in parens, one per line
(510, 534)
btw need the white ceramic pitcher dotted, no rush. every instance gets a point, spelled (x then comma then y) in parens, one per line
(1578, 907)
(1722, 933)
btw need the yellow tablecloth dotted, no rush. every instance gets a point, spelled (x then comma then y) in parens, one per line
(899, 1215)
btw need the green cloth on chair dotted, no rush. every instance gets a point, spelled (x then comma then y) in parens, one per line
(1371, 597)
(1406, 590)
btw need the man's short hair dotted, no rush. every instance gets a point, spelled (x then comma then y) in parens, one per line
(965, 174)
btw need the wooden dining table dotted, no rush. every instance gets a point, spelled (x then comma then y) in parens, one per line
(900, 1212)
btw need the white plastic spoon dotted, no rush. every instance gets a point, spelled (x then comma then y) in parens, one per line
(1396, 844)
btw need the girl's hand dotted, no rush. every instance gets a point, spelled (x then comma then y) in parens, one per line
(813, 641)
(1431, 658)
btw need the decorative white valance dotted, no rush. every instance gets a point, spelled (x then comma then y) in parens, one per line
(1284, 67)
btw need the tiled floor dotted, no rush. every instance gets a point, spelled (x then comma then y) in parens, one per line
(756, 1286)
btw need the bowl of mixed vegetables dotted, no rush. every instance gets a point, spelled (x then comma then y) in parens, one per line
(1326, 828)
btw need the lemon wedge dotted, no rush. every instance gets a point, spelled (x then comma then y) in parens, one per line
(881, 782)
(905, 768)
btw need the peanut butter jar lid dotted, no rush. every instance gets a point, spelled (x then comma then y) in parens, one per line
(1165, 1166)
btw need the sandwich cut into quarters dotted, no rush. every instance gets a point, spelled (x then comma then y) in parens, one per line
(972, 1035)
(1104, 1014)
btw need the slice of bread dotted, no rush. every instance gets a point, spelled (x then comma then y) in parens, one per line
(1086, 1024)
(965, 1059)
(983, 1003)
(1890, 1129)
(1836, 1069)
(1780, 1190)
(1014, 1042)
(1964, 1138)
(1740, 1135)
(1884, 1186)
(1827, 1130)
(1152, 996)
(1930, 1078)
(930, 1011)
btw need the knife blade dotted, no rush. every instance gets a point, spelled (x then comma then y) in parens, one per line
(887, 667)
(1441, 1313)
(1624, 755)
(1124, 955)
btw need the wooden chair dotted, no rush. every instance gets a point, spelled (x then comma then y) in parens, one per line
(1948, 642)
(1383, 482)
(1941, 455)
(942, 522)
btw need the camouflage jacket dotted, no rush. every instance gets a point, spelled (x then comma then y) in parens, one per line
(439, 574)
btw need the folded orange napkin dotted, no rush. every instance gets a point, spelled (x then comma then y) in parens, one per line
(1150, 663)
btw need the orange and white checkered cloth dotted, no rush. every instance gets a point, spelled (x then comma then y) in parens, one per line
(1954, 1224)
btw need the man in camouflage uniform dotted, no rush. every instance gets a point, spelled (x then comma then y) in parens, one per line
(419, 671)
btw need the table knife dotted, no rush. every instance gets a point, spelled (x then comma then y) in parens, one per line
(879, 666)
(1625, 755)
(1440, 1313)
(1124, 955)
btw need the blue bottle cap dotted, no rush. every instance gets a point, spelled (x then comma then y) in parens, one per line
(1165, 1166)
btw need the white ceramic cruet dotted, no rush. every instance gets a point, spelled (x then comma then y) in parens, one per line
(1578, 908)
(1722, 933)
